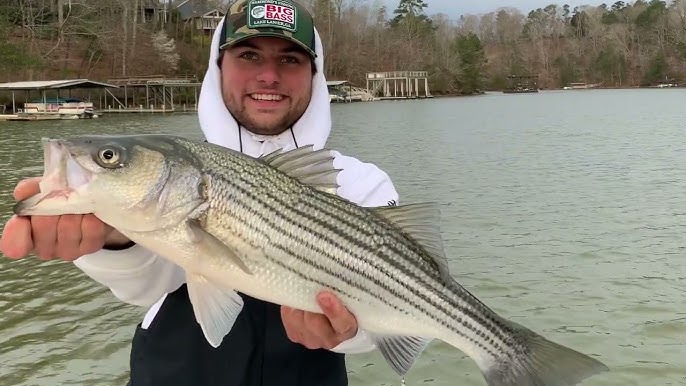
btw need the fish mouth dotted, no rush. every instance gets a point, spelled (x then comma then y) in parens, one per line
(62, 177)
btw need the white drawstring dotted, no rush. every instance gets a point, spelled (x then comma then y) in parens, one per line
(269, 144)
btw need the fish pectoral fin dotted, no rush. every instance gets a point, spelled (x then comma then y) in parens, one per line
(401, 351)
(215, 308)
(213, 246)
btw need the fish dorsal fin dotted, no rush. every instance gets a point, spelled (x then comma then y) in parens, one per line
(311, 167)
(421, 222)
(401, 352)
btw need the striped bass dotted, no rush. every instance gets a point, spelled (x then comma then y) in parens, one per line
(273, 228)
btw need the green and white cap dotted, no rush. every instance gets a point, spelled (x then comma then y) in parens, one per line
(276, 18)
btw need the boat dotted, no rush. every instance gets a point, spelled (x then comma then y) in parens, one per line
(343, 91)
(40, 117)
(62, 108)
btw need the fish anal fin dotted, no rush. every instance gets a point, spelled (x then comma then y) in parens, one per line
(401, 352)
(215, 308)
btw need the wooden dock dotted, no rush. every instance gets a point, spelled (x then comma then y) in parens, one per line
(37, 117)
(396, 98)
(149, 110)
(399, 84)
(153, 93)
(7, 117)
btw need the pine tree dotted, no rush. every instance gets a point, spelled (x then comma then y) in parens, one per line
(472, 63)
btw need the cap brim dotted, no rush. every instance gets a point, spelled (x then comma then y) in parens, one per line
(269, 34)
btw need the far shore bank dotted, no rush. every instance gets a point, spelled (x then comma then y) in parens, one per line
(452, 95)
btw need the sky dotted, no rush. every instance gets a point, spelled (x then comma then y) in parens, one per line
(455, 8)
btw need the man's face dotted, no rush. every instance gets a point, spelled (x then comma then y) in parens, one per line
(266, 83)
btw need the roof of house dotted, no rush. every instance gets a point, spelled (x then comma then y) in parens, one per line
(195, 8)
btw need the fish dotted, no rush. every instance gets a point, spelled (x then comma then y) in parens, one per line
(272, 227)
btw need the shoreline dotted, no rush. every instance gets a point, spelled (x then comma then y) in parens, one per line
(452, 95)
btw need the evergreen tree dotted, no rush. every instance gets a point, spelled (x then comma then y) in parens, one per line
(411, 13)
(472, 63)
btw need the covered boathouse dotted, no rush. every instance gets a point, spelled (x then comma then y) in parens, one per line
(52, 99)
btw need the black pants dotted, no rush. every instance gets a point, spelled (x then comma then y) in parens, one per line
(173, 351)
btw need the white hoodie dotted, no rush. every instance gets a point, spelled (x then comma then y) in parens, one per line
(140, 277)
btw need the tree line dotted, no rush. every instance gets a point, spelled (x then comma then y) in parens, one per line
(625, 44)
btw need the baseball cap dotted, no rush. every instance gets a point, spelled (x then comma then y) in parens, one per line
(276, 18)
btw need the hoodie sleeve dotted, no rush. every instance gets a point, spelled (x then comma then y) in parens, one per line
(135, 275)
(364, 183)
(369, 186)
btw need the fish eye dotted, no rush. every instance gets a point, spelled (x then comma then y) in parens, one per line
(109, 157)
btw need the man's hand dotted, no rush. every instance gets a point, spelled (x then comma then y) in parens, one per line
(314, 330)
(67, 237)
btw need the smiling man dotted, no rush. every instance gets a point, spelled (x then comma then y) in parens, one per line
(266, 83)
(264, 90)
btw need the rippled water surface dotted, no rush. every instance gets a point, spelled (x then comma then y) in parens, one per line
(564, 211)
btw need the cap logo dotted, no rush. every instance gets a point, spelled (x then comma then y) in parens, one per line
(257, 12)
(272, 13)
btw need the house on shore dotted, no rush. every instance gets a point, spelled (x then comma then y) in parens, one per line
(196, 14)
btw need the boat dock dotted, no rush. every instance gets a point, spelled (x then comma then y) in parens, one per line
(152, 109)
(391, 85)
(520, 84)
(582, 86)
(153, 94)
(48, 108)
(399, 84)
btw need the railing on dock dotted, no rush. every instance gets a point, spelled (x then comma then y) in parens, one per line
(398, 84)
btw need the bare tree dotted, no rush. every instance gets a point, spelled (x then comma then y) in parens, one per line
(625, 43)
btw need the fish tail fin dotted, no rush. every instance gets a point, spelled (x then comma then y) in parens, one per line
(539, 362)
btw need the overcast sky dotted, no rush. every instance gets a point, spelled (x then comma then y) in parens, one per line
(455, 8)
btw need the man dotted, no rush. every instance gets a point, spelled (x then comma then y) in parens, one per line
(264, 90)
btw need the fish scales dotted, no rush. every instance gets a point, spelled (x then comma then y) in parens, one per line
(351, 235)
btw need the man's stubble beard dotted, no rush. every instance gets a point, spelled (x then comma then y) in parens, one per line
(244, 119)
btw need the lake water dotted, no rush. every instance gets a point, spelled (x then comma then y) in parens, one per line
(563, 211)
